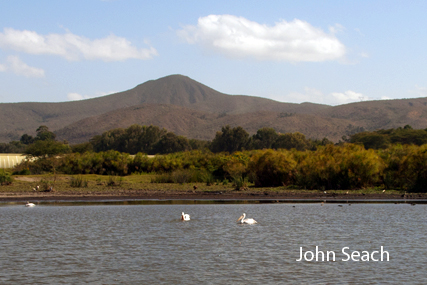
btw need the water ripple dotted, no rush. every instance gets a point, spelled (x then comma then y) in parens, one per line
(148, 244)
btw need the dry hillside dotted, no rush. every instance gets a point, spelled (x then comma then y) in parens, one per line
(189, 108)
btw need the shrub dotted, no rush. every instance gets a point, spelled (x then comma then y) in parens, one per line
(78, 182)
(414, 169)
(240, 183)
(339, 167)
(208, 178)
(114, 181)
(182, 176)
(46, 185)
(22, 172)
(272, 168)
(162, 178)
(5, 178)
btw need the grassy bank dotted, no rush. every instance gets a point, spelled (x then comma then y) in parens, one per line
(140, 186)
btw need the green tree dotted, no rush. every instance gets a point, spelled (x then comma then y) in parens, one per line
(171, 143)
(82, 147)
(12, 147)
(264, 138)
(314, 144)
(371, 140)
(43, 134)
(149, 137)
(408, 136)
(198, 144)
(291, 140)
(130, 139)
(26, 139)
(46, 148)
(108, 140)
(230, 140)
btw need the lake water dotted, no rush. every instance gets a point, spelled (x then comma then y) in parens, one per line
(148, 244)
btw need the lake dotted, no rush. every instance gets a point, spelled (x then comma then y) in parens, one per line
(149, 244)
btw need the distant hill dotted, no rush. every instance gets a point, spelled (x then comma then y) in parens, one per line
(201, 125)
(187, 107)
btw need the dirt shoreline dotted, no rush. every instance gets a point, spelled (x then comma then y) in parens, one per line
(216, 196)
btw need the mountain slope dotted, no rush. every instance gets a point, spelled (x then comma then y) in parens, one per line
(19, 118)
(189, 108)
(382, 114)
(201, 125)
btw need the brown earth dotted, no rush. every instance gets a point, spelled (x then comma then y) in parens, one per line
(140, 187)
(266, 196)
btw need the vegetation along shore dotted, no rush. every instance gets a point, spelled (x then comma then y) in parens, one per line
(234, 165)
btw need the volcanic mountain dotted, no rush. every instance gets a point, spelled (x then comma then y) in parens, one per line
(187, 107)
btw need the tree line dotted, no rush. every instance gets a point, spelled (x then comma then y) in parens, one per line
(382, 139)
(155, 140)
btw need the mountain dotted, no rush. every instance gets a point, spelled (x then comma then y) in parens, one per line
(187, 107)
(201, 125)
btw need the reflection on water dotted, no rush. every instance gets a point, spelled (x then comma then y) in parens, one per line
(148, 244)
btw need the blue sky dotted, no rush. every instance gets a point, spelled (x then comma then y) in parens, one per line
(329, 52)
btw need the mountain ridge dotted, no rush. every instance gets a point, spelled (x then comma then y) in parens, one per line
(187, 107)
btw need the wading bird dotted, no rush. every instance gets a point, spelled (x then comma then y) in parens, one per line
(243, 220)
(185, 217)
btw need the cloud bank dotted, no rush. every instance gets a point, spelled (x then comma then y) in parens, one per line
(17, 66)
(293, 41)
(420, 91)
(335, 98)
(76, 96)
(73, 47)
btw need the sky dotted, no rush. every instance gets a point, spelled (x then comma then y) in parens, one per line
(327, 52)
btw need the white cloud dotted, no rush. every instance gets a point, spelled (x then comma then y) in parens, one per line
(17, 66)
(73, 47)
(336, 98)
(309, 95)
(348, 97)
(285, 41)
(76, 96)
(420, 91)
